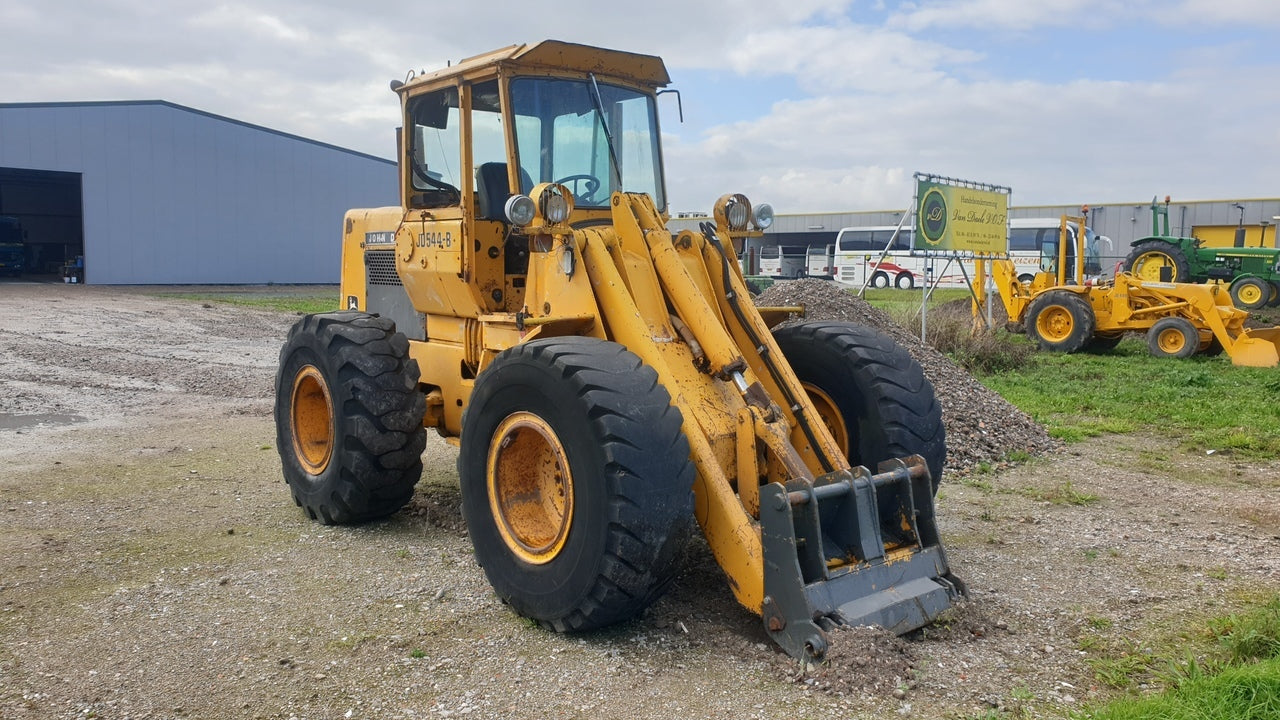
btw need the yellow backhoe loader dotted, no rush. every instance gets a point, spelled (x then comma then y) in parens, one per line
(607, 381)
(1062, 314)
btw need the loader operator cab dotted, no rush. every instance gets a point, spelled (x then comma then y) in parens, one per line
(1049, 252)
(590, 135)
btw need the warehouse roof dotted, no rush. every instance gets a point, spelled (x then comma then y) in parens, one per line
(184, 108)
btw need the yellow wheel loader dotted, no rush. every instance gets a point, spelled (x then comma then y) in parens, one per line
(607, 381)
(1179, 319)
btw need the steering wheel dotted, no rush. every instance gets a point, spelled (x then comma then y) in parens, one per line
(591, 182)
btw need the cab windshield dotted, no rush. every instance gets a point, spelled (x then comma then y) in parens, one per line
(590, 136)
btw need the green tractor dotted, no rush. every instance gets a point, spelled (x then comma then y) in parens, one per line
(1253, 272)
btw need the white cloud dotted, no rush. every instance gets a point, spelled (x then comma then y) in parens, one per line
(1025, 15)
(1251, 12)
(1010, 14)
(875, 103)
(846, 57)
(1082, 142)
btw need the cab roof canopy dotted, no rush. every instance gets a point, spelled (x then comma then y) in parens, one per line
(554, 55)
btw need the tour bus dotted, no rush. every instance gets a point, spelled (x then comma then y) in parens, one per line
(857, 258)
(820, 261)
(776, 263)
(857, 255)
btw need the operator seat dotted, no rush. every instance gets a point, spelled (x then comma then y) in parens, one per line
(492, 193)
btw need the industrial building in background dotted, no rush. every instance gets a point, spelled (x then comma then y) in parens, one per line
(149, 192)
(1216, 223)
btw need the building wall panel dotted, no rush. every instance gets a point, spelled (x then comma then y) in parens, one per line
(172, 195)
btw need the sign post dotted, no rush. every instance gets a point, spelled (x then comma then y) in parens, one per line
(958, 220)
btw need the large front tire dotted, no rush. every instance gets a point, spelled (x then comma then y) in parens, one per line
(1250, 293)
(869, 391)
(576, 481)
(1061, 321)
(349, 417)
(1173, 337)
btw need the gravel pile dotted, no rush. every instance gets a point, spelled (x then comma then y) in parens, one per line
(981, 425)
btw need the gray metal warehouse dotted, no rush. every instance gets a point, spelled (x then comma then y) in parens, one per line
(149, 192)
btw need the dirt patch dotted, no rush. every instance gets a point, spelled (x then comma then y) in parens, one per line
(152, 564)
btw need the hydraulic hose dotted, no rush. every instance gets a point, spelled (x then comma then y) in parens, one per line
(709, 232)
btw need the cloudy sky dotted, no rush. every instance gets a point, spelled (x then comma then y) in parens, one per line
(813, 105)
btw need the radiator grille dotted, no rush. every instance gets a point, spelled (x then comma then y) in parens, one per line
(380, 267)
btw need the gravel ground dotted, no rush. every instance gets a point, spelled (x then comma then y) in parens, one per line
(153, 566)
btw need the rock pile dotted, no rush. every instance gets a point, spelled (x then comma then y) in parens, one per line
(981, 425)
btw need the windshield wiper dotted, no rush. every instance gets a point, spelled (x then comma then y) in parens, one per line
(608, 137)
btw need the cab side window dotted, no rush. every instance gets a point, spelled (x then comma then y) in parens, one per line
(435, 149)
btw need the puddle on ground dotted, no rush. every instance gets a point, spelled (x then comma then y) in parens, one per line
(14, 421)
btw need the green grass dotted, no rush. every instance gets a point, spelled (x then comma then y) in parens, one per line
(1236, 677)
(1250, 635)
(904, 304)
(1206, 403)
(303, 301)
(1064, 493)
(1250, 692)
(1203, 403)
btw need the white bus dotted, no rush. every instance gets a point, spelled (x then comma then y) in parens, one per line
(820, 261)
(857, 258)
(1032, 247)
(775, 263)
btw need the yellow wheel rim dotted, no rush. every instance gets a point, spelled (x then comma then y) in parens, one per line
(1171, 341)
(1250, 294)
(1055, 323)
(830, 415)
(311, 411)
(530, 488)
(1147, 266)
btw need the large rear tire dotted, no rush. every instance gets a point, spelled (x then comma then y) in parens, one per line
(1060, 321)
(1275, 294)
(1147, 258)
(349, 417)
(869, 391)
(576, 481)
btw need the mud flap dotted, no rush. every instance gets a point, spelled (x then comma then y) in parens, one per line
(852, 548)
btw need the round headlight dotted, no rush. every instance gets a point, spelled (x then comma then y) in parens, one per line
(519, 210)
(763, 216)
(737, 213)
(555, 208)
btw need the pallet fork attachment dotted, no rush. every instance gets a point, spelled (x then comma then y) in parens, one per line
(810, 531)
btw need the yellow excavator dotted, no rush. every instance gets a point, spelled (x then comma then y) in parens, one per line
(1060, 310)
(607, 381)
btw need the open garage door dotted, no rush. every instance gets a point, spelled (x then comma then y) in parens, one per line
(46, 207)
